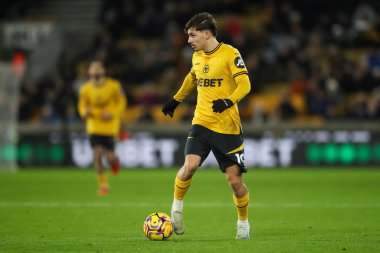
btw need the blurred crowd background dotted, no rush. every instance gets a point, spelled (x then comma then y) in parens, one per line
(309, 61)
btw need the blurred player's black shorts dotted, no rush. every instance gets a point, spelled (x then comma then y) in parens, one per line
(228, 149)
(107, 142)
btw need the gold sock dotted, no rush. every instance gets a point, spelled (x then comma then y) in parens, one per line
(180, 188)
(102, 180)
(242, 206)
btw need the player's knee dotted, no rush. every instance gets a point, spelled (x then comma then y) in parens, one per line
(111, 156)
(97, 150)
(191, 167)
(235, 182)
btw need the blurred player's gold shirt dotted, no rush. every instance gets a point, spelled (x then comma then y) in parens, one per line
(219, 74)
(107, 97)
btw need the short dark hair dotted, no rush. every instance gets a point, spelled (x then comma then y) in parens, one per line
(202, 21)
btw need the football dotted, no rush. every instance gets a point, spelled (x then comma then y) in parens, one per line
(158, 227)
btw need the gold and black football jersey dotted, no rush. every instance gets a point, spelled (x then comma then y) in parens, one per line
(108, 97)
(219, 74)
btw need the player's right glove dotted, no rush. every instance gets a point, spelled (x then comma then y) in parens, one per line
(220, 105)
(169, 107)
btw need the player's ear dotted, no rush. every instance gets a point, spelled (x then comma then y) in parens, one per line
(207, 34)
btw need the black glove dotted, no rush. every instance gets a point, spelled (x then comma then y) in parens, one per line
(221, 104)
(169, 107)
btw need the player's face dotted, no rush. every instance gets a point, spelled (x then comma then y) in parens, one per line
(197, 39)
(96, 71)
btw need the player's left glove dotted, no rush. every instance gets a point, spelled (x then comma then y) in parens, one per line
(169, 107)
(220, 105)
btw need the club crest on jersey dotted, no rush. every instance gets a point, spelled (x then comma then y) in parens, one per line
(206, 68)
(239, 62)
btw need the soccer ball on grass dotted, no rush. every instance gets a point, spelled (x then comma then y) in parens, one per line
(158, 227)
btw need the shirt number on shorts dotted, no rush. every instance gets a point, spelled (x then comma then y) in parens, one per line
(240, 158)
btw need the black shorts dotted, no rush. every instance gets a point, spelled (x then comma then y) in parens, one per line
(228, 149)
(107, 142)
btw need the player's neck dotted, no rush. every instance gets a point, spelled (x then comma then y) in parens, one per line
(211, 45)
(99, 82)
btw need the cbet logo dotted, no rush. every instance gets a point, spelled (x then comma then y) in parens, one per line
(213, 82)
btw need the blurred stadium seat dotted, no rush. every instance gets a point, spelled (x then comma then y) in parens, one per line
(323, 60)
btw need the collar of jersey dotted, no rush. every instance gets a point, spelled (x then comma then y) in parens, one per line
(215, 49)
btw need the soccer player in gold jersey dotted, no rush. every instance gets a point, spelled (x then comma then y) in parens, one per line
(101, 104)
(221, 79)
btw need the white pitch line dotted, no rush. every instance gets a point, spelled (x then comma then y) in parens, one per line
(289, 205)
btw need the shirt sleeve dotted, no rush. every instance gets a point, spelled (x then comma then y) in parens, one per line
(187, 87)
(82, 103)
(243, 88)
(119, 100)
(240, 75)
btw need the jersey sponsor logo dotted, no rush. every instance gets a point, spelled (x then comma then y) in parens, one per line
(206, 68)
(100, 102)
(212, 82)
(239, 62)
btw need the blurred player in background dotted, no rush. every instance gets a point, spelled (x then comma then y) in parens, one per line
(221, 78)
(101, 104)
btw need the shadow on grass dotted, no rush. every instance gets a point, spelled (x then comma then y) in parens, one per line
(186, 240)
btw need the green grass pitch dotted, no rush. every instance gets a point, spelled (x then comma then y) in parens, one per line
(292, 210)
